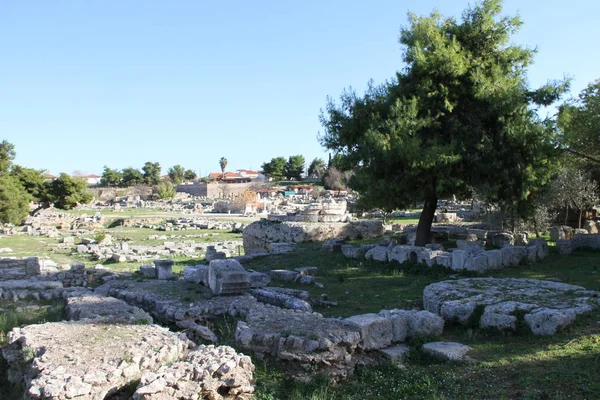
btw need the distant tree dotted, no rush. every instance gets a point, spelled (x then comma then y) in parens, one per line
(458, 114)
(223, 165)
(275, 168)
(67, 192)
(579, 121)
(132, 176)
(316, 169)
(176, 173)
(151, 173)
(189, 175)
(14, 200)
(294, 167)
(7, 155)
(32, 180)
(111, 177)
(335, 179)
(573, 188)
(164, 190)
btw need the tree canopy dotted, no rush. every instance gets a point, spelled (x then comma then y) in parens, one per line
(294, 167)
(111, 177)
(316, 169)
(458, 116)
(223, 165)
(176, 173)
(275, 169)
(151, 173)
(579, 121)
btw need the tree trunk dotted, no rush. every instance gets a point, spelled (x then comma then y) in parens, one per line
(425, 221)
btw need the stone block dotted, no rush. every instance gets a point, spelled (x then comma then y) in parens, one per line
(549, 321)
(164, 269)
(378, 253)
(118, 258)
(375, 331)
(448, 351)
(589, 241)
(494, 258)
(258, 279)
(469, 246)
(395, 354)
(459, 258)
(399, 320)
(477, 263)
(512, 256)
(541, 246)
(503, 239)
(284, 275)
(497, 321)
(196, 274)
(590, 226)
(531, 255)
(227, 277)
(564, 246)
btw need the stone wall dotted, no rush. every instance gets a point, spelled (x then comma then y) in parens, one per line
(216, 190)
(34, 268)
(19, 268)
(258, 236)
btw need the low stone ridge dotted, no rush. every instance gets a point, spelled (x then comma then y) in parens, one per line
(280, 299)
(548, 306)
(85, 360)
(209, 373)
(469, 256)
(101, 308)
(448, 351)
(260, 234)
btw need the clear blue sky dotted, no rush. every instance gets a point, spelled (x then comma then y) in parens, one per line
(88, 83)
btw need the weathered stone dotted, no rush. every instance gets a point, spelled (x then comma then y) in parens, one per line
(459, 258)
(541, 246)
(284, 275)
(148, 271)
(280, 299)
(477, 263)
(397, 353)
(498, 321)
(375, 331)
(503, 239)
(258, 279)
(548, 322)
(196, 274)
(399, 323)
(378, 253)
(561, 233)
(512, 256)
(564, 246)
(557, 303)
(209, 372)
(590, 241)
(469, 246)
(164, 269)
(307, 270)
(449, 351)
(227, 277)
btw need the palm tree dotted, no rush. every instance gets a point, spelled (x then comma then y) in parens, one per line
(223, 164)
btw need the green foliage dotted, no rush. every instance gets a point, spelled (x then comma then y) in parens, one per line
(111, 177)
(275, 168)
(294, 167)
(151, 173)
(189, 175)
(164, 190)
(32, 180)
(579, 121)
(316, 169)
(132, 176)
(14, 200)
(459, 116)
(7, 155)
(223, 164)
(67, 192)
(176, 173)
